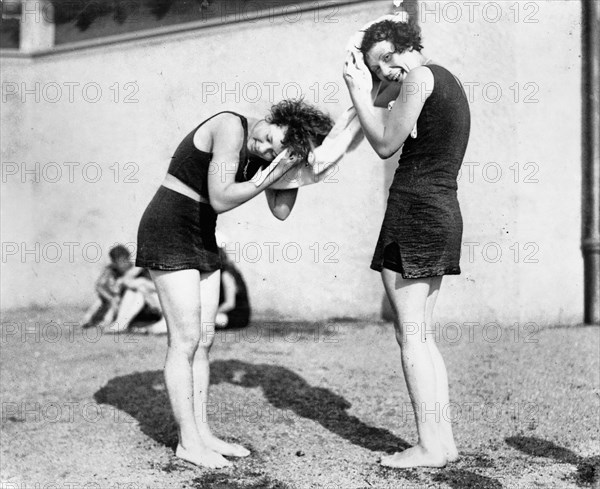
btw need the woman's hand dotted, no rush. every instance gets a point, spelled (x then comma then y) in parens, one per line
(283, 163)
(285, 159)
(356, 74)
(225, 193)
(288, 161)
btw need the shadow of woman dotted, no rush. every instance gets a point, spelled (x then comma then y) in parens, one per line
(587, 467)
(464, 479)
(286, 390)
(143, 396)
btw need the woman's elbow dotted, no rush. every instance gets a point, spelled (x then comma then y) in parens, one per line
(219, 209)
(282, 216)
(281, 213)
(218, 205)
(385, 148)
(384, 152)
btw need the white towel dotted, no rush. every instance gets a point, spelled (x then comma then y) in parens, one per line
(344, 136)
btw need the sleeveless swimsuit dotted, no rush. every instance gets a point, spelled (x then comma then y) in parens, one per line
(176, 232)
(421, 232)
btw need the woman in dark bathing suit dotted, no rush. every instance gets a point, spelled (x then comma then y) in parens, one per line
(217, 167)
(420, 239)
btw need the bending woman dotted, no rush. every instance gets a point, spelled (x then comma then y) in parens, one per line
(218, 166)
(420, 239)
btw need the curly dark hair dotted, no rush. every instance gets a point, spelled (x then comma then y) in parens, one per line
(119, 251)
(403, 35)
(305, 125)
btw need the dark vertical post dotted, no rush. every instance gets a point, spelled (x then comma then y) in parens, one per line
(590, 218)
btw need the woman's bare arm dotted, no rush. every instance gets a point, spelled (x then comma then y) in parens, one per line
(387, 137)
(225, 193)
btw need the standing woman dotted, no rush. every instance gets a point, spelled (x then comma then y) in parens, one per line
(420, 239)
(217, 167)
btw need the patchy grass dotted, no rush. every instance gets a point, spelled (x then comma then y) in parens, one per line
(317, 403)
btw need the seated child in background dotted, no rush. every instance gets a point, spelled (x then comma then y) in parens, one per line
(124, 291)
(234, 307)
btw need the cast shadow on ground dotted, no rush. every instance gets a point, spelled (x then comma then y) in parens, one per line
(224, 481)
(587, 467)
(143, 396)
(286, 390)
(464, 479)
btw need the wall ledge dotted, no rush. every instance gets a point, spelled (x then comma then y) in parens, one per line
(159, 32)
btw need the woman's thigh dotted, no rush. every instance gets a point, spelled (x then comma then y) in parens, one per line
(210, 289)
(180, 298)
(407, 295)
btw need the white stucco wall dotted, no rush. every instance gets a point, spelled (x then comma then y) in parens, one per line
(521, 188)
(171, 81)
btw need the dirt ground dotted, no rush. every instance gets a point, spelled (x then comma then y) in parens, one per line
(317, 403)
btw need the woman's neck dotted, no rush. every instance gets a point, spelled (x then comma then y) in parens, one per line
(425, 60)
(252, 122)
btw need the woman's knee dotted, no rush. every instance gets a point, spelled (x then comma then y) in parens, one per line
(185, 336)
(186, 344)
(207, 334)
(407, 332)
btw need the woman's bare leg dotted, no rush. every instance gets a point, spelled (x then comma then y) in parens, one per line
(408, 298)
(210, 287)
(441, 375)
(179, 294)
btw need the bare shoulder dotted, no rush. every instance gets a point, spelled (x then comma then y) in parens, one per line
(420, 74)
(229, 123)
(419, 81)
(222, 131)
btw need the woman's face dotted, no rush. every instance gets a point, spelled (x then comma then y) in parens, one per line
(265, 140)
(388, 65)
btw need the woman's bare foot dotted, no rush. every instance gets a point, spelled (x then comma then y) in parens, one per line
(451, 452)
(415, 456)
(203, 457)
(448, 445)
(225, 448)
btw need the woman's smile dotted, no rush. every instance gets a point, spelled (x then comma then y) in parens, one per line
(388, 64)
(265, 140)
(397, 77)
